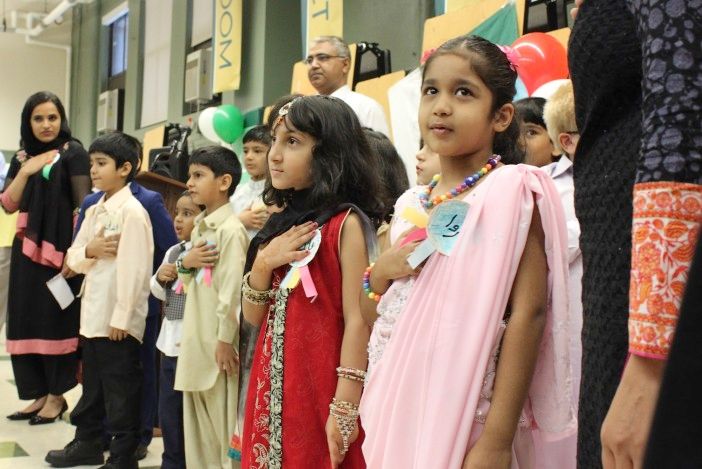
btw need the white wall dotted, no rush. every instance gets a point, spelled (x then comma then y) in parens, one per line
(26, 69)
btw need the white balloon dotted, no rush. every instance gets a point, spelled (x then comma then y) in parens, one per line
(547, 89)
(205, 124)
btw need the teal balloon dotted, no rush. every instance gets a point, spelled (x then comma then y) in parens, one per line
(228, 123)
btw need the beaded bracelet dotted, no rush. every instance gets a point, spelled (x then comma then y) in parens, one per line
(366, 285)
(181, 268)
(346, 416)
(256, 297)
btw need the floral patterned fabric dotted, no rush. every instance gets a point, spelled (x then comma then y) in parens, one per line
(666, 224)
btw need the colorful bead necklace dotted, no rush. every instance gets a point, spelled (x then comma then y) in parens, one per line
(467, 183)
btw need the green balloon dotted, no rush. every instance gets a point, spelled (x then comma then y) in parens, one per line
(228, 122)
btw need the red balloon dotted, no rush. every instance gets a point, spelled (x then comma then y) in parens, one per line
(542, 59)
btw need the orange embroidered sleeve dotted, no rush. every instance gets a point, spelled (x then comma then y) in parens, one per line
(666, 222)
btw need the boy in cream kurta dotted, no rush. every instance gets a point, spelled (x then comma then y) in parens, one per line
(207, 372)
(113, 248)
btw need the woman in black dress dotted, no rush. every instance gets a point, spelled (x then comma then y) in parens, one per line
(636, 67)
(46, 182)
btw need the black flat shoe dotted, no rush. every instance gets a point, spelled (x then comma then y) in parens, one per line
(39, 420)
(23, 415)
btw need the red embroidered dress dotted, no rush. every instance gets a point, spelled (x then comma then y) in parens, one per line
(293, 378)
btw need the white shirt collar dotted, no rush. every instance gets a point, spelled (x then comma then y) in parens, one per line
(341, 91)
(560, 167)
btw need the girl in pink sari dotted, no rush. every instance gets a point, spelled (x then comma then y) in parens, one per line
(476, 368)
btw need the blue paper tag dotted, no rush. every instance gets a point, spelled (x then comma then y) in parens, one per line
(445, 224)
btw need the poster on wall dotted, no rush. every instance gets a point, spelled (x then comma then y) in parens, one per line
(447, 6)
(227, 45)
(322, 18)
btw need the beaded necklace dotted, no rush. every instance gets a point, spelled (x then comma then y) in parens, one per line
(467, 183)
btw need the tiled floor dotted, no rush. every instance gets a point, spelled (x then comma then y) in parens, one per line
(23, 446)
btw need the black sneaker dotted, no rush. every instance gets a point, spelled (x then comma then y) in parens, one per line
(140, 452)
(115, 462)
(77, 453)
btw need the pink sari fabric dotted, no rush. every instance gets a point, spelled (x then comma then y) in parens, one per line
(420, 402)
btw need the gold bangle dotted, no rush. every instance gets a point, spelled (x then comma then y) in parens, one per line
(256, 297)
(344, 372)
(351, 377)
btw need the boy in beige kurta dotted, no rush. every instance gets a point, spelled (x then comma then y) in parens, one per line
(211, 273)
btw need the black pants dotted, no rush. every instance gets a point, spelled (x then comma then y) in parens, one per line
(170, 411)
(149, 394)
(38, 375)
(112, 379)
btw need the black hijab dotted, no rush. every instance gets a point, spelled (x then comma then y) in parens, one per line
(49, 203)
(30, 143)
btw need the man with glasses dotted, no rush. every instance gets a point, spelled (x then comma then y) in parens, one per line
(328, 65)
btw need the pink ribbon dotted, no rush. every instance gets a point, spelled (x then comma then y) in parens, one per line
(419, 234)
(513, 56)
(204, 275)
(308, 283)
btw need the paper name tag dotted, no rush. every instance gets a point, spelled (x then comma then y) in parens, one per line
(421, 253)
(299, 270)
(58, 286)
(445, 224)
(312, 246)
(111, 222)
(442, 231)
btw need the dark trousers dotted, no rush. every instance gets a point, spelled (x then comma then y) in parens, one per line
(149, 398)
(111, 391)
(38, 375)
(170, 411)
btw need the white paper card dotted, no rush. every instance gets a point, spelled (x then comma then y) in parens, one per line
(61, 291)
(421, 253)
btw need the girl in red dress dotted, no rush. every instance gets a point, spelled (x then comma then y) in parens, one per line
(303, 291)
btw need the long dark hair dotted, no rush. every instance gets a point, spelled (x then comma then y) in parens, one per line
(493, 68)
(341, 158)
(32, 145)
(389, 165)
